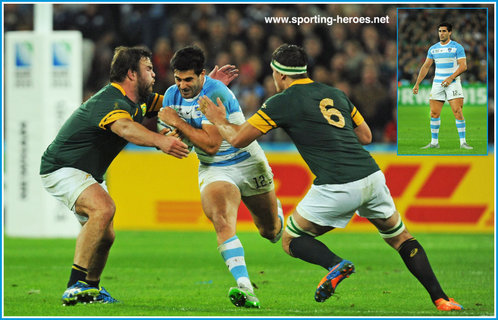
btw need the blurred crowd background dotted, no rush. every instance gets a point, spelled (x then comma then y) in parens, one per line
(360, 59)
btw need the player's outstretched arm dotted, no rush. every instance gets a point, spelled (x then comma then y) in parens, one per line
(422, 73)
(225, 74)
(238, 136)
(139, 135)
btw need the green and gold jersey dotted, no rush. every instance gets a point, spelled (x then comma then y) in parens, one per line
(85, 142)
(320, 120)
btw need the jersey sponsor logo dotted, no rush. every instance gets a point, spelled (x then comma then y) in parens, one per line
(443, 50)
(143, 106)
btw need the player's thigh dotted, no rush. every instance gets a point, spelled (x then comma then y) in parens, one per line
(456, 106)
(263, 207)
(95, 201)
(377, 200)
(68, 184)
(436, 106)
(331, 205)
(220, 202)
(309, 227)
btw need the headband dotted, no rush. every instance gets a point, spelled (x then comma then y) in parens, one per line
(287, 70)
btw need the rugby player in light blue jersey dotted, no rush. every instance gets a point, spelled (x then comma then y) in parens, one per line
(227, 174)
(450, 64)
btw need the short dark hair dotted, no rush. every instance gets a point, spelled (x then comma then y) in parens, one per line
(188, 58)
(446, 24)
(291, 56)
(126, 58)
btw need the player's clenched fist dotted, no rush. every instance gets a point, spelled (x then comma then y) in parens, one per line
(415, 89)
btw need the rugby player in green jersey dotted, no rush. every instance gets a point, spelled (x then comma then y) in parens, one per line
(74, 164)
(328, 132)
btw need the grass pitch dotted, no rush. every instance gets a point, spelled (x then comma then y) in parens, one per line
(414, 131)
(181, 274)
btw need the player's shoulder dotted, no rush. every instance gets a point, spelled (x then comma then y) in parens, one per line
(435, 46)
(172, 90)
(456, 44)
(211, 84)
(326, 89)
(216, 89)
(109, 95)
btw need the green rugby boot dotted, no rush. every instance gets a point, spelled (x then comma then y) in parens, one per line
(243, 297)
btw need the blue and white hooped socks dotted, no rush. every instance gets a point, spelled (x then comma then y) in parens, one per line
(435, 124)
(233, 253)
(460, 124)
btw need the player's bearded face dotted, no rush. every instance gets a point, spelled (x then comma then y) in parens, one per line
(189, 83)
(145, 79)
(145, 86)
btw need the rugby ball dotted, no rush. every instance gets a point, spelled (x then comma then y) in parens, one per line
(161, 125)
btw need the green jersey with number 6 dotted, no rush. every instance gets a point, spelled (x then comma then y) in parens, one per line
(320, 120)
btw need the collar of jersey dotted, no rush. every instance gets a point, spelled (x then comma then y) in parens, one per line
(117, 86)
(301, 81)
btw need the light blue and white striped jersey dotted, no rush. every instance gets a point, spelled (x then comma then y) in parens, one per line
(445, 57)
(188, 110)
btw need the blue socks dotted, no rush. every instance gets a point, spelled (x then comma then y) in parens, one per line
(435, 124)
(460, 124)
(233, 254)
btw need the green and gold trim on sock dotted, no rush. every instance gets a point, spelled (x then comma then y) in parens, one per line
(295, 230)
(393, 232)
(77, 267)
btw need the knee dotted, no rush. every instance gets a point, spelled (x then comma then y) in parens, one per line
(104, 214)
(286, 240)
(223, 224)
(458, 114)
(434, 114)
(268, 232)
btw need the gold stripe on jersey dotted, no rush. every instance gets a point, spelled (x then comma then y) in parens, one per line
(117, 86)
(356, 116)
(262, 122)
(157, 103)
(301, 81)
(113, 116)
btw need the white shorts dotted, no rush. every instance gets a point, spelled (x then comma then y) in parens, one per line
(453, 91)
(66, 185)
(252, 176)
(334, 204)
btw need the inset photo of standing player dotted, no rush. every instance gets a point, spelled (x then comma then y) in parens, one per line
(442, 81)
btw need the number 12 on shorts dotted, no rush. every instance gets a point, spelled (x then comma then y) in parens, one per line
(261, 181)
